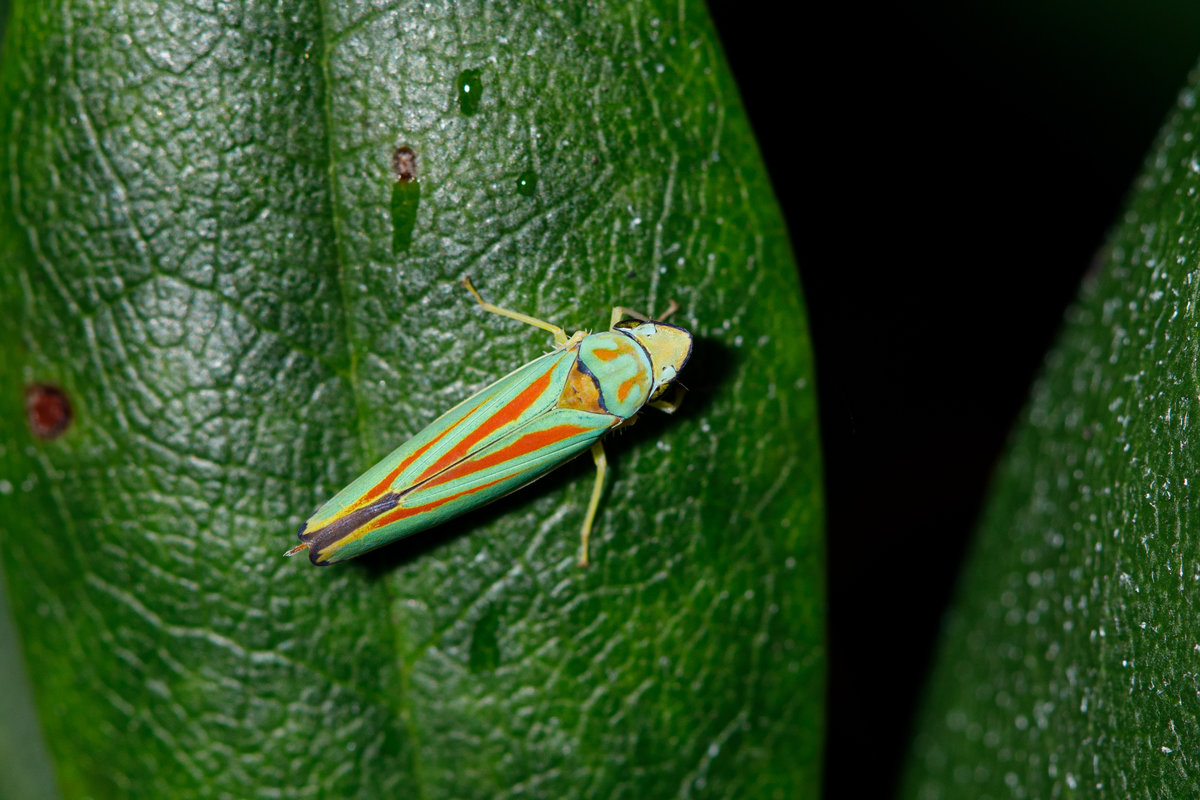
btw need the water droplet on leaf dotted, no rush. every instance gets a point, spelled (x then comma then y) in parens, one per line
(470, 90)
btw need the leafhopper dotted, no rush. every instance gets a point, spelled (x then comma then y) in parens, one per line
(508, 435)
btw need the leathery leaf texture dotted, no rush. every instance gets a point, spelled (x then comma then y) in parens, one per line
(214, 246)
(1071, 663)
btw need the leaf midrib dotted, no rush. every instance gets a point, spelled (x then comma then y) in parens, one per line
(342, 268)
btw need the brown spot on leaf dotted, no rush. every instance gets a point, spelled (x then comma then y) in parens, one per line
(47, 410)
(404, 164)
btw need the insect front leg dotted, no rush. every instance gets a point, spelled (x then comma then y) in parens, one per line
(672, 405)
(621, 312)
(560, 336)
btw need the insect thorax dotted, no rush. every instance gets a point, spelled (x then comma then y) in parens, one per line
(612, 374)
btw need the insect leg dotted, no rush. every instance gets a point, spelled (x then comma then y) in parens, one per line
(594, 503)
(560, 336)
(672, 405)
(621, 312)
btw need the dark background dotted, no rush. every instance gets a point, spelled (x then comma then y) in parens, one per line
(948, 173)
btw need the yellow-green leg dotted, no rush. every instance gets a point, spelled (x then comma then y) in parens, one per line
(621, 312)
(560, 336)
(594, 503)
(672, 405)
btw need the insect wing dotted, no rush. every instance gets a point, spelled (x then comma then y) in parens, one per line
(376, 508)
(488, 474)
(514, 460)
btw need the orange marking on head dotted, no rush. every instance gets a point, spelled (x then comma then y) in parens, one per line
(509, 413)
(627, 386)
(606, 353)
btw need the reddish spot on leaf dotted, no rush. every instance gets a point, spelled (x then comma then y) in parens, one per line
(404, 164)
(47, 409)
(406, 198)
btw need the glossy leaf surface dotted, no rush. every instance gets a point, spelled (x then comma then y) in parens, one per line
(203, 249)
(1069, 666)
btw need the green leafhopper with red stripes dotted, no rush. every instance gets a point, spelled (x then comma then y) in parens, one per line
(507, 435)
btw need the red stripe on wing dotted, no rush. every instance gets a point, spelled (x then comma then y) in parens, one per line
(386, 483)
(404, 513)
(509, 413)
(529, 443)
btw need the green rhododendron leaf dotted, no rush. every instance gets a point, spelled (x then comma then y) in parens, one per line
(205, 253)
(1069, 666)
